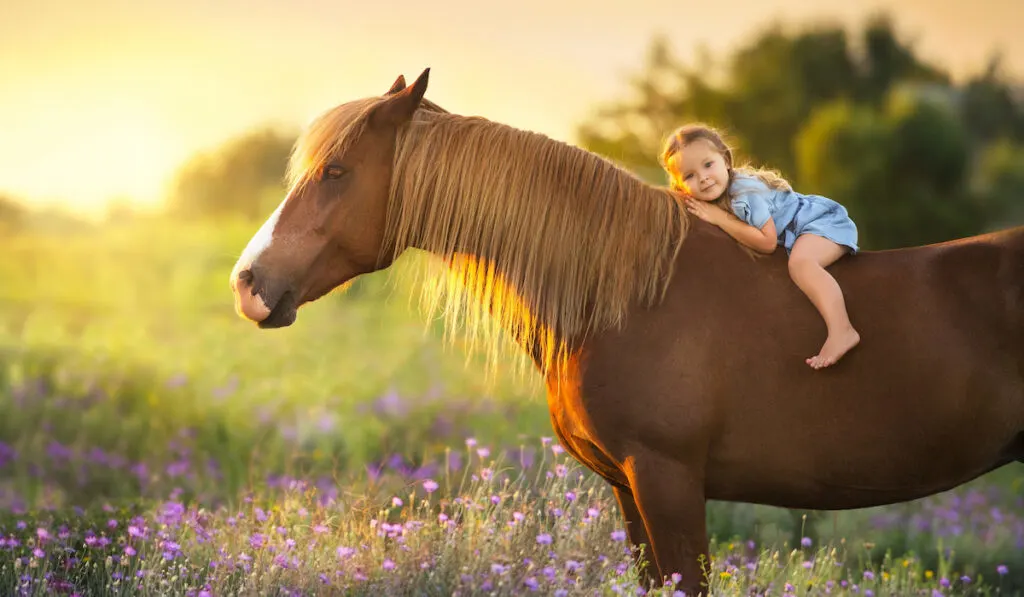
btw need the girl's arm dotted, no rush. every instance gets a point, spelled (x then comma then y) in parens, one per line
(763, 241)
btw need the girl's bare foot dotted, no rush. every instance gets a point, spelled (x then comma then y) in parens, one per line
(836, 345)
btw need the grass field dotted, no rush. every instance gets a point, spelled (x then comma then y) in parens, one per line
(153, 443)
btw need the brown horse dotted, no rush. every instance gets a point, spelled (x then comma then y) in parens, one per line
(674, 361)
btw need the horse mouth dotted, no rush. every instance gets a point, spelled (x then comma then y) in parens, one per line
(283, 314)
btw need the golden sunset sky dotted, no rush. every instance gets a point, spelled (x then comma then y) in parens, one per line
(106, 98)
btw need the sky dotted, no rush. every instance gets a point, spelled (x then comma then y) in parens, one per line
(105, 99)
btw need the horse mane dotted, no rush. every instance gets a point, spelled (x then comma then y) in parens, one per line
(546, 240)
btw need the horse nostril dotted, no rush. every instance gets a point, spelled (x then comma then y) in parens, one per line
(245, 276)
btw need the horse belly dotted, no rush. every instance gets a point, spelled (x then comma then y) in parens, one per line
(848, 460)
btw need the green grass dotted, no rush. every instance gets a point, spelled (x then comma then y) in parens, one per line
(129, 386)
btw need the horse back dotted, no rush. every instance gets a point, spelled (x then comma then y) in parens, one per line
(979, 280)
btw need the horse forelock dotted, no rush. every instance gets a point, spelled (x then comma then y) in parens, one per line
(547, 240)
(329, 135)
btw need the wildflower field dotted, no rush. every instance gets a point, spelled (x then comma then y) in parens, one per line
(151, 443)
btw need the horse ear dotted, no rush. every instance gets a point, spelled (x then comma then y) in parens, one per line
(398, 107)
(397, 86)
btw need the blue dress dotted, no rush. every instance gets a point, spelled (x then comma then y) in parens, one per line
(794, 213)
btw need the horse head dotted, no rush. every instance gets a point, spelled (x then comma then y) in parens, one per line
(330, 226)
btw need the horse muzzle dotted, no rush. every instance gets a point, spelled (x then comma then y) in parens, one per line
(260, 302)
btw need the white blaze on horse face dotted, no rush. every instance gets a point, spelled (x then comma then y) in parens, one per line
(261, 240)
(248, 304)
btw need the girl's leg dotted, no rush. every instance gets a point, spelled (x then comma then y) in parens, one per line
(810, 256)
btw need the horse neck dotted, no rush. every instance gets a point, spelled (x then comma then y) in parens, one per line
(552, 242)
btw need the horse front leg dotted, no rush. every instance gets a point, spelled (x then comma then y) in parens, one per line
(669, 496)
(637, 533)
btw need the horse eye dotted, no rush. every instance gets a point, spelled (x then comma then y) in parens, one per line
(332, 172)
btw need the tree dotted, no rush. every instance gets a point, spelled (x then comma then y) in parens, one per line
(988, 107)
(998, 184)
(12, 213)
(776, 81)
(886, 61)
(242, 178)
(901, 170)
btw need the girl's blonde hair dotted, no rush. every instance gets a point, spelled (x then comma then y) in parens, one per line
(687, 134)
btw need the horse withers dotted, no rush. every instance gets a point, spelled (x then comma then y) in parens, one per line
(673, 360)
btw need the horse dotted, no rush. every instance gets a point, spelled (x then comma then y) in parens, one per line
(673, 360)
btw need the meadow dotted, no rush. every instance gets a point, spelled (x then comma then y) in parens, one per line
(152, 443)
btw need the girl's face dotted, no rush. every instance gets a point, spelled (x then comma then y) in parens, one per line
(703, 170)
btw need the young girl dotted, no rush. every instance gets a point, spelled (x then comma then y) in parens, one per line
(760, 210)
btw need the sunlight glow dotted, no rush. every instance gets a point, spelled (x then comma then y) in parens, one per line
(102, 149)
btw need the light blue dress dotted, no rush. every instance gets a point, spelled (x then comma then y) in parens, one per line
(794, 213)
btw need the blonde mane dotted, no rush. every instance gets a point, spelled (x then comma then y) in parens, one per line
(546, 240)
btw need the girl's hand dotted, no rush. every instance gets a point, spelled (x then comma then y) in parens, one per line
(705, 211)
